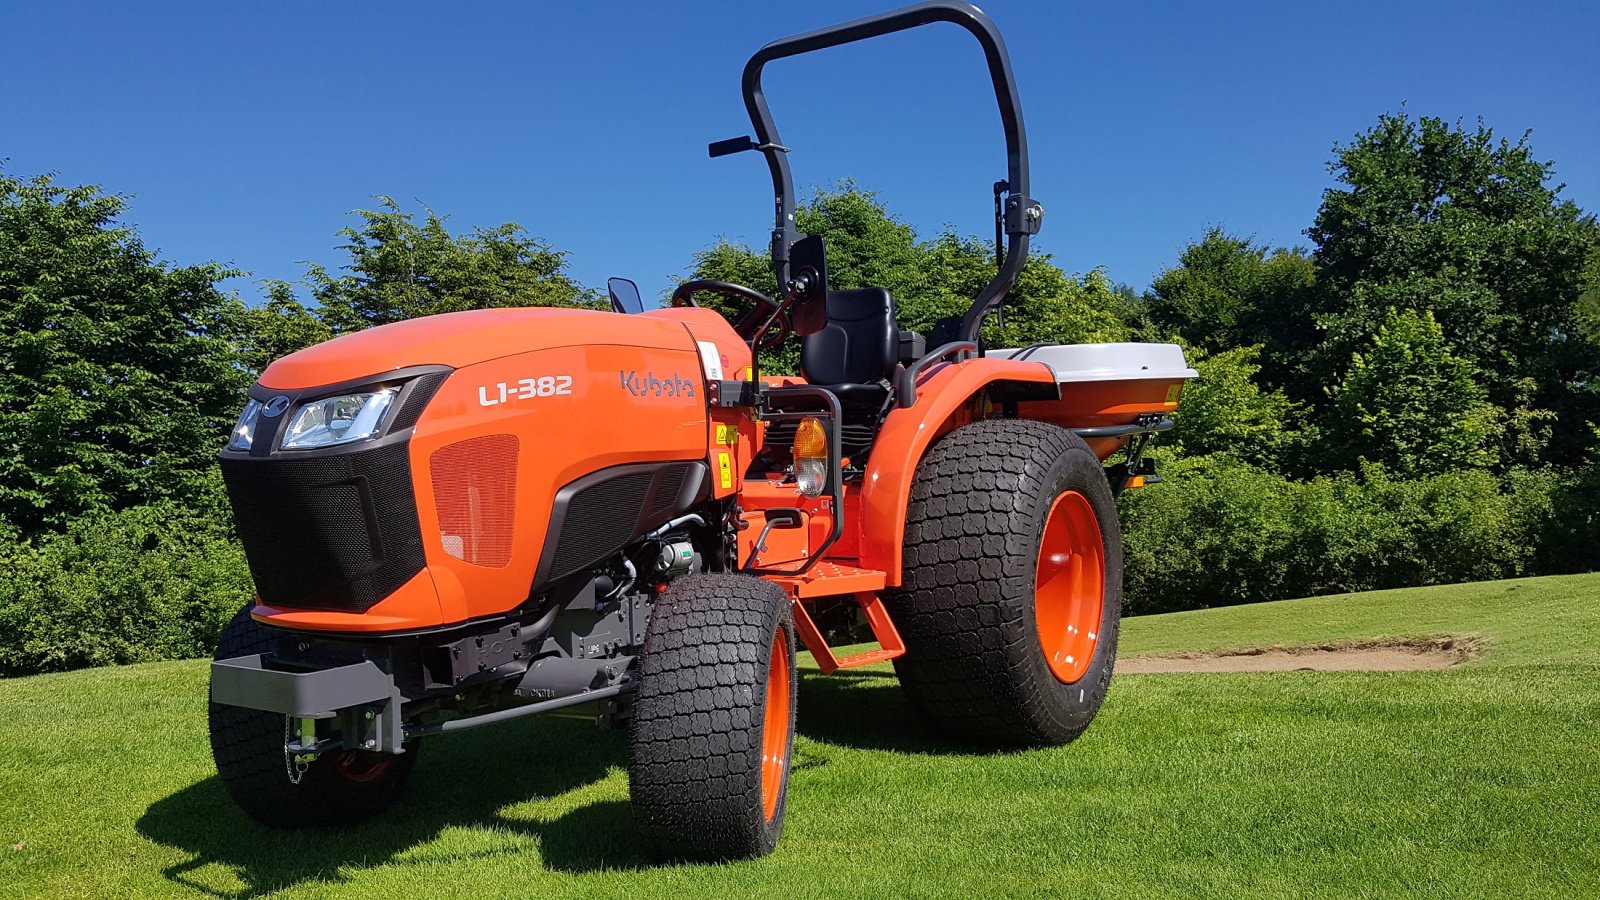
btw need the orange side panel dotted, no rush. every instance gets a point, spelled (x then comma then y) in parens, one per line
(942, 396)
(1090, 403)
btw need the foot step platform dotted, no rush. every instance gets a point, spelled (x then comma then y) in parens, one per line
(827, 579)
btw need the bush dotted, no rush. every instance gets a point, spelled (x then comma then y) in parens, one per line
(1221, 532)
(151, 582)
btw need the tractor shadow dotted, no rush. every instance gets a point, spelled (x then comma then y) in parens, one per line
(462, 781)
(867, 710)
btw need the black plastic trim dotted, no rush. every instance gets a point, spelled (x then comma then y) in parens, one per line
(653, 510)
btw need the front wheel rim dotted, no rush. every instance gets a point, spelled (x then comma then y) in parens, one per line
(1069, 586)
(775, 727)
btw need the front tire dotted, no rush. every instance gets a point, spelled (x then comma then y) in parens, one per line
(339, 787)
(713, 721)
(1012, 594)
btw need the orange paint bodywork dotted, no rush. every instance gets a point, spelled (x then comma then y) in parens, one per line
(943, 404)
(638, 389)
(600, 422)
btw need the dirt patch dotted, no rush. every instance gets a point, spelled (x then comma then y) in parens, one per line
(1403, 655)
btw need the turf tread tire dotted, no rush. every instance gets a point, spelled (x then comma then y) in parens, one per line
(695, 767)
(974, 666)
(247, 745)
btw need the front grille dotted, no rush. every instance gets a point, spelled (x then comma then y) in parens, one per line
(332, 532)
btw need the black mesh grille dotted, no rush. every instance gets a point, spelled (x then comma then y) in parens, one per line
(666, 496)
(417, 400)
(335, 532)
(600, 519)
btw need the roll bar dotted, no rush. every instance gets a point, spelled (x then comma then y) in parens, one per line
(1021, 215)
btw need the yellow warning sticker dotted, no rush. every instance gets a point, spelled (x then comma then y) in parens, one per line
(1173, 392)
(725, 469)
(727, 435)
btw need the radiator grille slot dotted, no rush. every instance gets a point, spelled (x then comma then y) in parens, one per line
(475, 495)
(600, 519)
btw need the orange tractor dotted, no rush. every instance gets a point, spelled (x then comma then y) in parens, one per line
(468, 518)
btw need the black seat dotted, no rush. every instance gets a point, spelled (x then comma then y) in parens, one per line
(855, 355)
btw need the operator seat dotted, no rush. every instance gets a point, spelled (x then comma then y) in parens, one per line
(854, 357)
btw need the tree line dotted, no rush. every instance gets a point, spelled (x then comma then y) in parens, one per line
(1410, 399)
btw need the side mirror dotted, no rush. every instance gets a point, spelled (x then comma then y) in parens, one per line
(624, 296)
(808, 264)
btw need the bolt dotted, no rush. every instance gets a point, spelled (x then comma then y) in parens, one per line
(370, 715)
(370, 744)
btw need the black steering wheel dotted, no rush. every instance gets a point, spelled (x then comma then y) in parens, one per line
(761, 309)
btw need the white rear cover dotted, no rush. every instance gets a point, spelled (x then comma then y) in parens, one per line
(1110, 362)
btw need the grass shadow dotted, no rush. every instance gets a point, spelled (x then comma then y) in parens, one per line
(868, 710)
(463, 780)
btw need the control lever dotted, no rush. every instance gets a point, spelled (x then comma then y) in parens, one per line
(777, 517)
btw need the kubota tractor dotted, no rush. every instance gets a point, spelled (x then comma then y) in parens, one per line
(468, 518)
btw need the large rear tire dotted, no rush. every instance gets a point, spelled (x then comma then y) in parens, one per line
(713, 721)
(1012, 593)
(339, 787)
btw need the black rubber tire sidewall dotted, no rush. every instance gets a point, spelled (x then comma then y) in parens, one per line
(695, 767)
(974, 664)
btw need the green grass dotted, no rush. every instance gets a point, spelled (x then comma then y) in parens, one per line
(1483, 780)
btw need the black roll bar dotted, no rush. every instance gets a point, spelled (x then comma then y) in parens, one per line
(1021, 217)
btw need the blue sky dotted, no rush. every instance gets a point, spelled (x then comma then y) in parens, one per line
(246, 131)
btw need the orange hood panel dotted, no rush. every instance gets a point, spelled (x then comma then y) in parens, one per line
(464, 338)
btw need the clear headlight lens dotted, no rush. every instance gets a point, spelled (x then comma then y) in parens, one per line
(244, 430)
(338, 420)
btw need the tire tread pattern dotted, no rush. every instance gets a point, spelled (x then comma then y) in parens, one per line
(698, 717)
(974, 666)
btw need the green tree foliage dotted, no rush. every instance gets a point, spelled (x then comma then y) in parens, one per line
(402, 269)
(1226, 292)
(118, 372)
(1409, 402)
(930, 280)
(279, 327)
(149, 582)
(1451, 220)
(1218, 532)
(1225, 410)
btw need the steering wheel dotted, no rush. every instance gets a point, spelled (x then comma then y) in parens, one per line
(761, 309)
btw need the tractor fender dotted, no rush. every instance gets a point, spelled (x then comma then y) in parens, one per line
(942, 405)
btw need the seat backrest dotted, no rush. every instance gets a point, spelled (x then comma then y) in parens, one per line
(861, 343)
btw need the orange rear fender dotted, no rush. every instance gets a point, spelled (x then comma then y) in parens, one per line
(944, 403)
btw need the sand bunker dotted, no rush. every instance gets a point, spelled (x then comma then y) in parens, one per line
(1406, 655)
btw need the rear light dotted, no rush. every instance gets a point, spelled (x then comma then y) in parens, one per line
(811, 457)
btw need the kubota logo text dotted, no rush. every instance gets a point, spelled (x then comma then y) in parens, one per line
(646, 384)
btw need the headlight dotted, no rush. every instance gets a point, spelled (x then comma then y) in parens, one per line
(244, 431)
(338, 420)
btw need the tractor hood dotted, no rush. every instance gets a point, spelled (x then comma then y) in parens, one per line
(464, 338)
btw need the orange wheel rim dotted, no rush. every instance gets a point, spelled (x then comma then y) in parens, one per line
(1069, 586)
(358, 769)
(775, 729)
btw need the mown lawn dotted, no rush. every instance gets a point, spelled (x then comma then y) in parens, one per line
(1483, 780)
